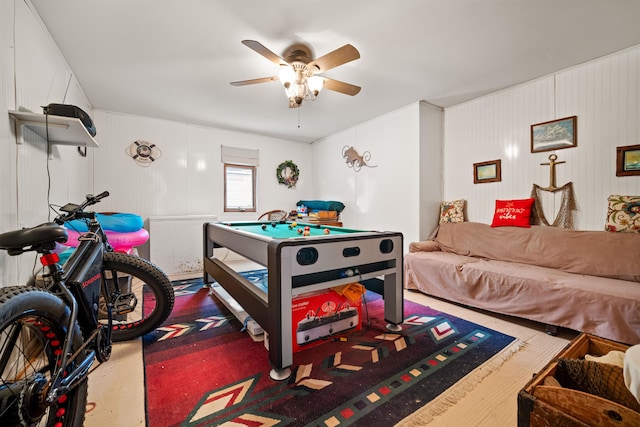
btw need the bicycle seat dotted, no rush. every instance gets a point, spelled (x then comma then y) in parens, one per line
(39, 238)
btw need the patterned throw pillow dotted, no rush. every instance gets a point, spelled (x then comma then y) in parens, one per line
(512, 213)
(623, 214)
(452, 211)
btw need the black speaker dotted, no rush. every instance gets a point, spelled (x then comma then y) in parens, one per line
(71, 111)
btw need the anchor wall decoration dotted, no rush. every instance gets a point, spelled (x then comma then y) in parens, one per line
(552, 173)
(566, 214)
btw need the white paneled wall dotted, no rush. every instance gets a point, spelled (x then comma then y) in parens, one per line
(431, 168)
(603, 94)
(8, 190)
(387, 196)
(34, 74)
(188, 178)
(177, 255)
(141, 189)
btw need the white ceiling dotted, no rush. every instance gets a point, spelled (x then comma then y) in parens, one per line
(174, 59)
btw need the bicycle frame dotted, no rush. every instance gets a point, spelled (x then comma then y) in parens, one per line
(81, 282)
(65, 319)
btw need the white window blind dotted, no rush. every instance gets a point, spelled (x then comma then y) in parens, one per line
(240, 156)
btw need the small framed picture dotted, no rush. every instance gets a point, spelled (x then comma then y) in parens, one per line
(487, 172)
(554, 135)
(628, 160)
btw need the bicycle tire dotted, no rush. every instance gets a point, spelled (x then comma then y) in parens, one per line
(33, 325)
(152, 289)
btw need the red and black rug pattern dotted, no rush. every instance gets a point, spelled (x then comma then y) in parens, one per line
(202, 369)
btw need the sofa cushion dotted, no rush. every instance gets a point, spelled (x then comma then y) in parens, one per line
(452, 211)
(596, 253)
(512, 213)
(623, 214)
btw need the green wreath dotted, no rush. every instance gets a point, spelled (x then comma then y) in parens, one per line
(289, 178)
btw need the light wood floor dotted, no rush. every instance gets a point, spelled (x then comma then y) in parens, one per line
(116, 389)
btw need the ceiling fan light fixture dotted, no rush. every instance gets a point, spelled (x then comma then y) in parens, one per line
(297, 71)
(286, 75)
(298, 85)
(315, 84)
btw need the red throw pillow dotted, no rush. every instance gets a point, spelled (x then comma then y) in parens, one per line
(513, 213)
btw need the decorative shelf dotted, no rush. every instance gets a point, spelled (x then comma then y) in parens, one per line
(62, 130)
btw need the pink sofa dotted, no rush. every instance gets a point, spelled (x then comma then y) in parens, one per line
(583, 280)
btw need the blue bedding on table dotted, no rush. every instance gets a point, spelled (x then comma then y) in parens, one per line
(321, 205)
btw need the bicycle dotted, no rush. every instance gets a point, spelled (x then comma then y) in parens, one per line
(53, 329)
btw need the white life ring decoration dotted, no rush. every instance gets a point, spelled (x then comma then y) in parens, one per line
(143, 152)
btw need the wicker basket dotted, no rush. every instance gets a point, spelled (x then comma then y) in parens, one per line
(599, 379)
(571, 391)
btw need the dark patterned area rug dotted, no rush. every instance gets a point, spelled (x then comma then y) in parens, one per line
(202, 369)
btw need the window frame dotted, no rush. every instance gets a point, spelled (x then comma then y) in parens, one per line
(254, 171)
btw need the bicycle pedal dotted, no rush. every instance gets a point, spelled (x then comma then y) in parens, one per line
(123, 310)
(125, 304)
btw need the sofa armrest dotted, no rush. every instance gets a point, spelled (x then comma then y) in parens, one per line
(424, 246)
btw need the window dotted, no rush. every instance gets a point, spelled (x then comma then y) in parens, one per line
(239, 188)
(240, 166)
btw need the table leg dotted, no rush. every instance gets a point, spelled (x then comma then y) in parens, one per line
(393, 301)
(280, 308)
(280, 374)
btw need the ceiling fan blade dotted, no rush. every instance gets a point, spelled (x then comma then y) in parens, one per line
(342, 87)
(346, 53)
(254, 81)
(262, 50)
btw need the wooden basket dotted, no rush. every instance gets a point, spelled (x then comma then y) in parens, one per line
(540, 404)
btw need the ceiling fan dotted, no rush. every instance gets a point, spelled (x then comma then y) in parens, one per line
(298, 71)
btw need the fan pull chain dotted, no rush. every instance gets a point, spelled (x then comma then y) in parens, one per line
(298, 117)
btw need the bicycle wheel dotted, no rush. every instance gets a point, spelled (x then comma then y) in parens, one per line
(32, 333)
(146, 298)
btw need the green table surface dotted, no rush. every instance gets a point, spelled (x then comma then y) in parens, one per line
(282, 230)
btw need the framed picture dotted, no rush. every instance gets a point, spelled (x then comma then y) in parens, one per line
(554, 135)
(487, 172)
(628, 160)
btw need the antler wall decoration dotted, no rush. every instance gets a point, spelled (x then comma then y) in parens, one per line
(355, 160)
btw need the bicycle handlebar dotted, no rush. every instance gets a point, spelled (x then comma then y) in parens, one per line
(92, 200)
(77, 211)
